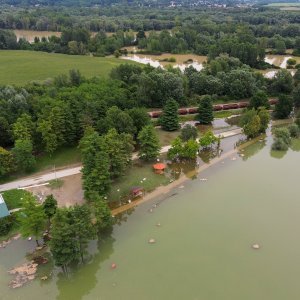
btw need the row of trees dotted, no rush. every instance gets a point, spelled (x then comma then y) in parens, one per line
(69, 229)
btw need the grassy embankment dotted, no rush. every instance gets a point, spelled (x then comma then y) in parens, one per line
(21, 67)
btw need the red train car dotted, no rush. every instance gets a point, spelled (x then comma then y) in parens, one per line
(182, 111)
(243, 104)
(273, 101)
(217, 107)
(230, 106)
(155, 114)
(192, 110)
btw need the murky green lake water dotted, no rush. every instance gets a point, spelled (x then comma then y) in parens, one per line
(203, 246)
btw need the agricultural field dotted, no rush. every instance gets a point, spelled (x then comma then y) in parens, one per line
(292, 6)
(21, 67)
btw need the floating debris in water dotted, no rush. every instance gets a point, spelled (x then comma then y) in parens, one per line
(181, 187)
(255, 246)
(242, 155)
(233, 158)
(113, 265)
(158, 224)
(203, 179)
(150, 210)
(152, 241)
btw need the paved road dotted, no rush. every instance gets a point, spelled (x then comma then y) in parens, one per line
(25, 182)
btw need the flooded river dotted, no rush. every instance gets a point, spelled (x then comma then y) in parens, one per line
(203, 246)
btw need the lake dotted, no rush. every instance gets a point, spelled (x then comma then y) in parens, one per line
(203, 246)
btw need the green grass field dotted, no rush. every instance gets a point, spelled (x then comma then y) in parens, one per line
(281, 4)
(20, 67)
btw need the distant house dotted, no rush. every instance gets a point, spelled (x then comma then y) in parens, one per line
(3, 208)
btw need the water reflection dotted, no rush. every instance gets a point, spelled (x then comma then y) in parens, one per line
(86, 275)
(252, 149)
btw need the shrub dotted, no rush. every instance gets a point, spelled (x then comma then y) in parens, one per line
(6, 224)
(294, 130)
(188, 132)
(291, 62)
(279, 145)
(284, 134)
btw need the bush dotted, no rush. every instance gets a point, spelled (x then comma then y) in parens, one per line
(284, 134)
(279, 145)
(294, 130)
(291, 62)
(6, 224)
(188, 132)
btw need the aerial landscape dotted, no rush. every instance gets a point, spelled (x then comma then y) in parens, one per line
(149, 149)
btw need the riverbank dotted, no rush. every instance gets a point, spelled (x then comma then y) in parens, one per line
(174, 184)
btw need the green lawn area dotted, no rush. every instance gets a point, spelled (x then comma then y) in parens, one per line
(13, 198)
(133, 177)
(166, 137)
(60, 158)
(19, 67)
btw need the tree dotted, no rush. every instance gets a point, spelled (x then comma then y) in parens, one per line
(208, 139)
(284, 134)
(75, 77)
(260, 99)
(264, 117)
(294, 130)
(188, 132)
(32, 218)
(6, 162)
(176, 149)
(282, 82)
(169, 120)
(139, 117)
(103, 215)
(96, 164)
(120, 120)
(23, 128)
(119, 148)
(296, 96)
(205, 111)
(50, 206)
(63, 244)
(251, 123)
(183, 150)
(280, 47)
(283, 107)
(23, 155)
(82, 227)
(149, 143)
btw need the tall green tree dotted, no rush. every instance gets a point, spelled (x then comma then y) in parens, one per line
(7, 163)
(251, 124)
(189, 132)
(119, 148)
(23, 155)
(50, 206)
(169, 119)
(63, 243)
(96, 164)
(32, 218)
(23, 128)
(283, 107)
(205, 111)
(149, 143)
(83, 229)
(260, 99)
(102, 214)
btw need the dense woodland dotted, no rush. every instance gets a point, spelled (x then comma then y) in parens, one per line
(242, 33)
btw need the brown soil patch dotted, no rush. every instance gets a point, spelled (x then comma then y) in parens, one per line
(70, 193)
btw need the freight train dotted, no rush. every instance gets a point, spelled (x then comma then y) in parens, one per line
(216, 107)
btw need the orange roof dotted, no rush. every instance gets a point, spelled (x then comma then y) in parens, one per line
(159, 166)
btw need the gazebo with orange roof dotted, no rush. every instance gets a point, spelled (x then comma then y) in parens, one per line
(159, 168)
